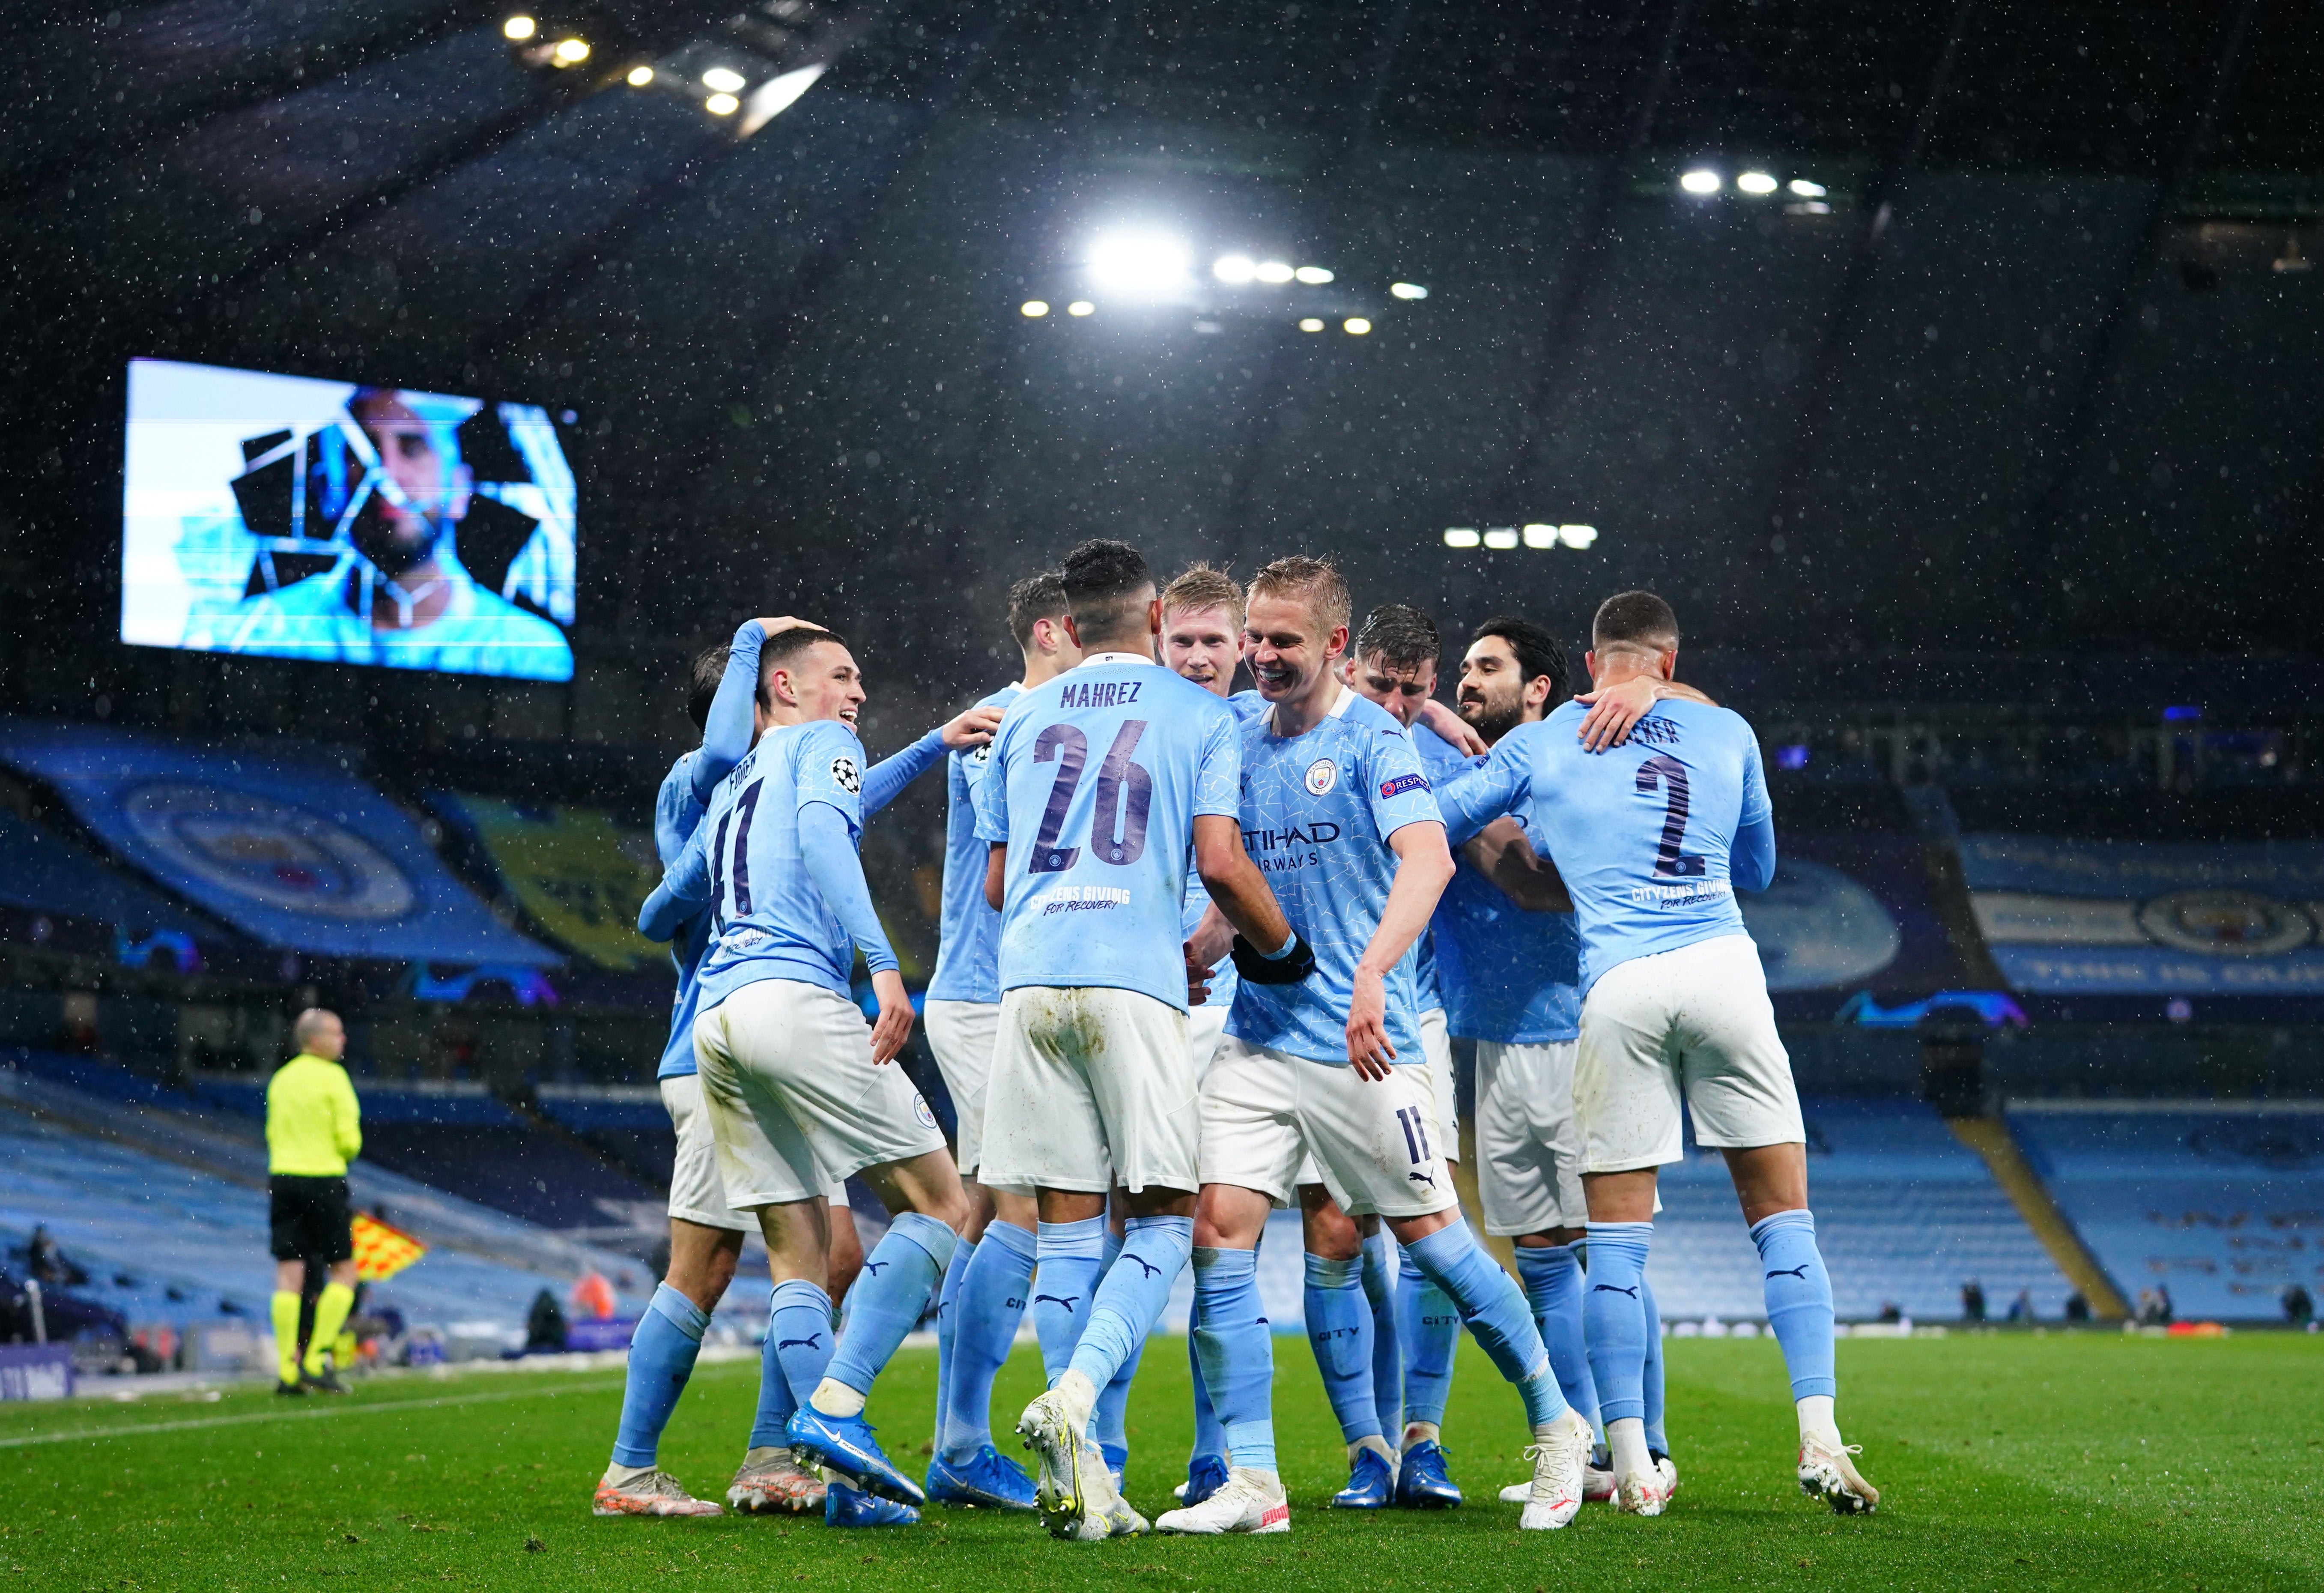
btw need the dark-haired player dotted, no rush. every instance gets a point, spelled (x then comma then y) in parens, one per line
(779, 947)
(1104, 782)
(991, 1272)
(1652, 839)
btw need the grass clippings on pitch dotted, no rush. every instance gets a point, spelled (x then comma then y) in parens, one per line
(2008, 1462)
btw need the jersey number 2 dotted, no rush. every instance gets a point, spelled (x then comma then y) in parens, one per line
(1125, 792)
(1670, 774)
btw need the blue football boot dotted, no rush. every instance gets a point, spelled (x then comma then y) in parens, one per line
(1421, 1483)
(843, 1507)
(1205, 1476)
(845, 1444)
(990, 1480)
(1117, 1461)
(1371, 1486)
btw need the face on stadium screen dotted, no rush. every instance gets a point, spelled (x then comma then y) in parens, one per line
(345, 522)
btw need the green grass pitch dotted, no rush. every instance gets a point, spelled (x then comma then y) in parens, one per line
(2006, 1462)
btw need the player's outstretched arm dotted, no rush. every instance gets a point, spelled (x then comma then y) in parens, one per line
(684, 891)
(1240, 893)
(1615, 709)
(1501, 852)
(1424, 867)
(827, 848)
(1473, 799)
(886, 780)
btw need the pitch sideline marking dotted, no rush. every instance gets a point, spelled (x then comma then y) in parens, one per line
(142, 1428)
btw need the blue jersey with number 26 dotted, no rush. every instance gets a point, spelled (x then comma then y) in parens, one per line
(1646, 835)
(1094, 783)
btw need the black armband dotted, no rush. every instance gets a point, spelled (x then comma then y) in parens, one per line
(1289, 969)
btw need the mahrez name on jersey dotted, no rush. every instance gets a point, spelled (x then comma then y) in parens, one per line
(1099, 693)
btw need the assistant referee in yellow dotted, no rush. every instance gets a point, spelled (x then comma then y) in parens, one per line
(313, 1129)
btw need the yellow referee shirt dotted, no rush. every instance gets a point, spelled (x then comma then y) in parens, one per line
(312, 1124)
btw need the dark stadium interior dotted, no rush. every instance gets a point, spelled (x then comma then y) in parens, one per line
(1980, 457)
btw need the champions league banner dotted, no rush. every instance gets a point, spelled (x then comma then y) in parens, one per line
(2082, 917)
(1848, 911)
(297, 855)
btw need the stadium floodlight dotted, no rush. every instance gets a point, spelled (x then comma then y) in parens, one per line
(722, 105)
(1081, 307)
(777, 95)
(1314, 276)
(640, 76)
(1140, 264)
(1461, 536)
(1357, 326)
(1501, 536)
(1275, 273)
(572, 52)
(1806, 190)
(1236, 269)
(1702, 180)
(1311, 325)
(1407, 290)
(724, 80)
(518, 28)
(1755, 182)
(1538, 535)
(1033, 309)
(1577, 536)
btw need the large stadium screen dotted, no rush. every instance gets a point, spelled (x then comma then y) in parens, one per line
(348, 522)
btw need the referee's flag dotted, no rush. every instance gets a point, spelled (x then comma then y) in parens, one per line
(381, 1251)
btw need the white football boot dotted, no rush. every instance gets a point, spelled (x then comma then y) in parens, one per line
(1558, 1462)
(1827, 1473)
(1075, 1492)
(646, 1491)
(770, 1481)
(1597, 1486)
(1251, 1502)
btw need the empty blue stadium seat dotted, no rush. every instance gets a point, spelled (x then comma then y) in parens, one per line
(2221, 1203)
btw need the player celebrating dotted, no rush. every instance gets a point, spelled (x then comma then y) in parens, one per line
(795, 1084)
(992, 1272)
(1102, 783)
(1338, 809)
(1652, 837)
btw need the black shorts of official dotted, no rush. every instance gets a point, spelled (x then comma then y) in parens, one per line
(309, 1219)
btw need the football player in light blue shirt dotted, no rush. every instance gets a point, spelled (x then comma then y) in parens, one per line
(1339, 816)
(774, 858)
(989, 1279)
(1652, 837)
(1103, 782)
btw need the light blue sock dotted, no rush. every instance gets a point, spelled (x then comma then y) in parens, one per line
(1494, 1309)
(1110, 1420)
(1428, 1325)
(1614, 1316)
(1387, 1353)
(1131, 1297)
(1237, 1353)
(1072, 1257)
(1340, 1326)
(799, 1342)
(1210, 1438)
(1657, 1441)
(661, 1358)
(891, 1296)
(948, 1325)
(1799, 1300)
(1553, 1286)
(992, 1302)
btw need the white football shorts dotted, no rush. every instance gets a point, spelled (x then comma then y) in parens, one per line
(1695, 1020)
(1092, 1086)
(961, 1034)
(1204, 1025)
(1528, 1152)
(1436, 1046)
(1375, 1143)
(793, 1099)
